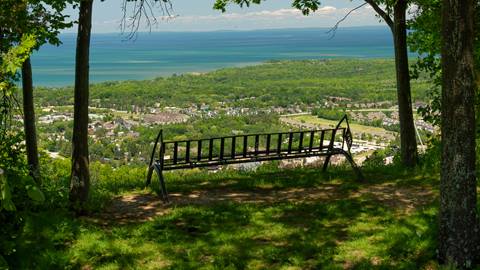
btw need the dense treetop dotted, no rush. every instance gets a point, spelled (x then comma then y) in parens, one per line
(275, 83)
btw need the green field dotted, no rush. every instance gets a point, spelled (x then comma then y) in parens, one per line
(325, 123)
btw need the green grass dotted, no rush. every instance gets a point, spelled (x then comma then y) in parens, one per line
(325, 123)
(352, 228)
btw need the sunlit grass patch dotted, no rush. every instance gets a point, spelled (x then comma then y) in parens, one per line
(390, 243)
(297, 219)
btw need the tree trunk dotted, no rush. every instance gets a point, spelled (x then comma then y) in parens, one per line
(29, 120)
(408, 142)
(458, 231)
(80, 178)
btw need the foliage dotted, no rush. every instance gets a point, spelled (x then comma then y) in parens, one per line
(10, 62)
(425, 39)
(375, 160)
(430, 160)
(272, 84)
(18, 191)
(331, 114)
(42, 19)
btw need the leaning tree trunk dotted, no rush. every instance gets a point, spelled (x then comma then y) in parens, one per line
(408, 143)
(458, 231)
(29, 120)
(80, 178)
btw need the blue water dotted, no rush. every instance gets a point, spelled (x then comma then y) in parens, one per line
(161, 54)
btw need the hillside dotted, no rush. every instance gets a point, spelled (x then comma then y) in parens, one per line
(125, 115)
(272, 84)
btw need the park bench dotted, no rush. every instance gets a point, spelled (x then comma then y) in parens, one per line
(234, 149)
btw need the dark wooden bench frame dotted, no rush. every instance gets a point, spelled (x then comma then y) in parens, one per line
(342, 135)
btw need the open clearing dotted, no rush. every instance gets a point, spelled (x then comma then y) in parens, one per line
(311, 121)
(269, 219)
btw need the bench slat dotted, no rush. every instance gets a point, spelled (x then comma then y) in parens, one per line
(310, 145)
(322, 136)
(300, 143)
(199, 150)
(290, 139)
(257, 139)
(279, 143)
(245, 145)
(175, 152)
(187, 152)
(269, 136)
(222, 146)
(234, 139)
(210, 150)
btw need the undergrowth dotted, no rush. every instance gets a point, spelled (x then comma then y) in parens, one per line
(352, 229)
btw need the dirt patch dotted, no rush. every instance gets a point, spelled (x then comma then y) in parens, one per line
(135, 208)
(403, 198)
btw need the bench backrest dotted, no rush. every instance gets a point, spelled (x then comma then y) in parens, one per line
(251, 147)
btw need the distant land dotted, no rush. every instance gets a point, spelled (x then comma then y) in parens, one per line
(166, 53)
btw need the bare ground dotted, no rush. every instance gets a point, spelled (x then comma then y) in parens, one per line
(141, 207)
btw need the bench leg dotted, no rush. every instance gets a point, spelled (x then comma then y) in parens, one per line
(325, 163)
(149, 176)
(355, 168)
(163, 188)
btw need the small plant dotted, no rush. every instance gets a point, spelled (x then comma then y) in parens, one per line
(375, 160)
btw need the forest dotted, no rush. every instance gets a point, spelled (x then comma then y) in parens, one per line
(272, 84)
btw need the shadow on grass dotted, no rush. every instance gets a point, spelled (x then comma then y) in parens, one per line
(351, 230)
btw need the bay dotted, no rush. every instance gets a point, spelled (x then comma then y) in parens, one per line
(165, 53)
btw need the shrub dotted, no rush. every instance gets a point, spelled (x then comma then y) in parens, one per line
(18, 193)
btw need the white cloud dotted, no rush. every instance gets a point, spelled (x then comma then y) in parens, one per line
(264, 14)
(280, 18)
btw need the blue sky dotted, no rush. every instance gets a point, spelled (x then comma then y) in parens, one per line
(198, 15)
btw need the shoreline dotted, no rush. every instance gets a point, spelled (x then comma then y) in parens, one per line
(201, 72)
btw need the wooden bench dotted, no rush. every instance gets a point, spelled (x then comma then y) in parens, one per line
(207, 152)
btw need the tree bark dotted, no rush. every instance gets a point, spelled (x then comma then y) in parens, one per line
(408, 142)
(458, 230)
(29, 120)
(80, 176)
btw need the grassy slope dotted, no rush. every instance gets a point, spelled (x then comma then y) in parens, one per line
(325, 123)
(353, 225)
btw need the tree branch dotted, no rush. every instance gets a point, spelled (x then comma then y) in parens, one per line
(381, 13)
(143, 10)
(333, 30)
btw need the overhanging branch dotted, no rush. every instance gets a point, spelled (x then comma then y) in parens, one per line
(381, 13)
(333, 30)
(143, 10)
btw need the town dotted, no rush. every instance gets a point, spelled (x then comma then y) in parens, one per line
(117, 136)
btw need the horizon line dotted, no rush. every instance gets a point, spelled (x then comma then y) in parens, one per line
(234, 30)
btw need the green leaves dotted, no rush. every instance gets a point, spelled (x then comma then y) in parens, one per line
(3, 263)
(5, 194)
(35, 193)
(13, 59)
(7, 204)
(306, 6)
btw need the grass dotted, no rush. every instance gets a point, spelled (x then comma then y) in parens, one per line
(331, 222)
(325, 123)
